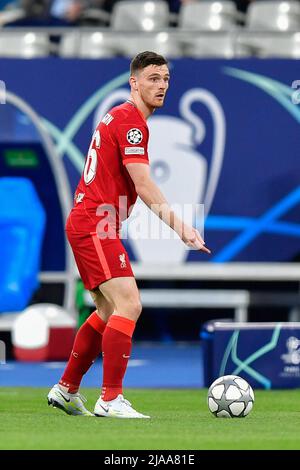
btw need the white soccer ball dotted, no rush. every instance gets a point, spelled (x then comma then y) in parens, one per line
(230, 397)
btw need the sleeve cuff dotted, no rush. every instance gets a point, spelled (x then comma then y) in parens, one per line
(135, 160)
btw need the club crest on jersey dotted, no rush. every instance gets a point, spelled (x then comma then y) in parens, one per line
(122, 260)
(134, 136)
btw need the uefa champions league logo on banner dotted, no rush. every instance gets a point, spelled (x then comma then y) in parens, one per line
(291, 358)
(293, 354)
(176, 162)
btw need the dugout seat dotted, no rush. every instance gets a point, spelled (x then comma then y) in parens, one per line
(273, 45)
(273, 16)
(208, 16)
(221, 44)
(22, 222)
(162, 43)
(140, 15)
(92, 45)
(287, 46)
(24, 45)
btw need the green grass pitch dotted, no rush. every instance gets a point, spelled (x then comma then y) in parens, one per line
(180, 420)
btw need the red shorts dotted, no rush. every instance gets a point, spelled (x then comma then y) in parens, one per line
(98, 259)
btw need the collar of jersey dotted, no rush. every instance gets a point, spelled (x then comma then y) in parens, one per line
(140, 113)
(131, 102)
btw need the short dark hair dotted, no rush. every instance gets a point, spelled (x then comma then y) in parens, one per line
(143, 59)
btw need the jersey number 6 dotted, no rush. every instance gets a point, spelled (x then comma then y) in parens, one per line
(90, 167)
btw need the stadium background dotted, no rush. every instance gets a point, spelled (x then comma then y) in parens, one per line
(226, 137)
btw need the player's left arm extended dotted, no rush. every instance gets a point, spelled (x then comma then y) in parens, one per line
(152, 196)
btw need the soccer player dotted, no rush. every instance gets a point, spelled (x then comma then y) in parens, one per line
(115, 173)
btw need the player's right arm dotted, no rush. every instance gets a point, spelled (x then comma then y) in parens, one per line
(152, 196)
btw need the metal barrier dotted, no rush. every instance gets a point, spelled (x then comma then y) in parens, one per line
(236, 299)
(190, 298)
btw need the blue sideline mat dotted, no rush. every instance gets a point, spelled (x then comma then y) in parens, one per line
(151, 365)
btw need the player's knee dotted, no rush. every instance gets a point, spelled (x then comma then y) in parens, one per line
(133, 308)
(104, 314)
(138, 308)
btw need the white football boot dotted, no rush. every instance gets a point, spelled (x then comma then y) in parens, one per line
(71, 403)
(117, 408)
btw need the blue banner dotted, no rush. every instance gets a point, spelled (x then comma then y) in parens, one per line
(228, 137)
(267, 355)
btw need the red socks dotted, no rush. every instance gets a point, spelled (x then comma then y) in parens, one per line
(87, 346)
(116, 347)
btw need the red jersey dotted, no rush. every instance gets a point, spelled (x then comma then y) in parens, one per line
(120, 138)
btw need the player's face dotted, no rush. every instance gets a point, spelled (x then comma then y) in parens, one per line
(153, 82)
